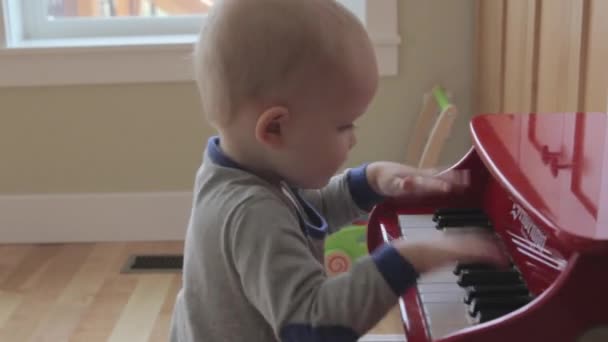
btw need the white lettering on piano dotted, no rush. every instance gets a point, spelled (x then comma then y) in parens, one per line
(529, 228)
(528, 248)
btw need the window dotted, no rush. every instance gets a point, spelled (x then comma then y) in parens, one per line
(38, 21)
(95, 18)
(104, 41)
(118, 8)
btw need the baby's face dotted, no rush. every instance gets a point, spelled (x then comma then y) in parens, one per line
(319, 140)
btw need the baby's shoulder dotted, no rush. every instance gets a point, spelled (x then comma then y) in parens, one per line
(238, 192)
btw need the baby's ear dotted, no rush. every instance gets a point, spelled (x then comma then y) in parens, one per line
(269, 130)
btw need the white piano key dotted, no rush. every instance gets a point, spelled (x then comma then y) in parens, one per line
(440, 288)
(441, 297)
(417, 234)
(416, 221)
(443, 275)
(445, 318)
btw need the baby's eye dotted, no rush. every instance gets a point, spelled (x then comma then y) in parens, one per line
(347, 127)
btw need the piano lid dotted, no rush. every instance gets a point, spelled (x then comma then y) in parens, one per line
(555, 166)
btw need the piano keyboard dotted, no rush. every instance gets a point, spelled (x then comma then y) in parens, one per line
(458, 296)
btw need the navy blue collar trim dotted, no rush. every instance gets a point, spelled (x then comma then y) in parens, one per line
(217, 156)
(316, 225)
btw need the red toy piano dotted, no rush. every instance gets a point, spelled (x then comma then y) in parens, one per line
(540, 183)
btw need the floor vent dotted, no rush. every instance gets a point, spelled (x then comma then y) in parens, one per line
(154, 263)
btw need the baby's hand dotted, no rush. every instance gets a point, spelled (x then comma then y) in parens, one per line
(398, 180)
(472, 246)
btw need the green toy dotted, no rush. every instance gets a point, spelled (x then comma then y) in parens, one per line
(343, 247)
(441, 97)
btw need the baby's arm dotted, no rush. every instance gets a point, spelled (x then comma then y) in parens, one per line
(359, 189)
(347, 197)
(282, 278)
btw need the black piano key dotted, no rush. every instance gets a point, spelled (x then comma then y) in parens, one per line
(473, 292)
(471, 215)
(457, 211)
(506, 303)
(468, 217)
(488, 277)
(453, 222)
(486, 316)
(452, 226)
(476, 266)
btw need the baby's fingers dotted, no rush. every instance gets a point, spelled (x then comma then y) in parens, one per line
(460, 178)
(424, 184)
(485, 249)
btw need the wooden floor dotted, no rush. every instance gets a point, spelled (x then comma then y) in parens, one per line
(75, 292)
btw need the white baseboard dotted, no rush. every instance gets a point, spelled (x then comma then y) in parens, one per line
(94, 217)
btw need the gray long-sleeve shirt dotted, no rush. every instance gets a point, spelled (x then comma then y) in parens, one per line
(253, 263)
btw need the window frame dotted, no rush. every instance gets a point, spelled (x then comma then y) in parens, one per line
(48, 60)
(36, 25)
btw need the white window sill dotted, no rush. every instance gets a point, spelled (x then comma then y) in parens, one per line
(150, 59)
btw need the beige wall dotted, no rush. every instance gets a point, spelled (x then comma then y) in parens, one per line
(149, 137)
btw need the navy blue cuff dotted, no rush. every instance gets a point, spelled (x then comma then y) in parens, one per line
(398, 272)
(364, 196)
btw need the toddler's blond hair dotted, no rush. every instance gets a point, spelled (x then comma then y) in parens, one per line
(257, 51)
